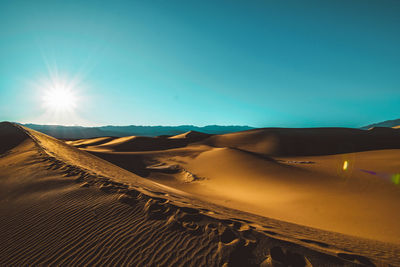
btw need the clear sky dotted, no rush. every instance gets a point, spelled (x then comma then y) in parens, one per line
(258, 63)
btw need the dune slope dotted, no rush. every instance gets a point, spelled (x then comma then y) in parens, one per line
(60, 206)
(316, 191)
(360, 201)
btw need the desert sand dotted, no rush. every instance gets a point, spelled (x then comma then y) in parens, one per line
(265, 197)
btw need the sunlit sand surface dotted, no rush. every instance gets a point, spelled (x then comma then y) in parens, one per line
(268, 197)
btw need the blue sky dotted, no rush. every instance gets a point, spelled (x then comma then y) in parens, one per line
(257, 63)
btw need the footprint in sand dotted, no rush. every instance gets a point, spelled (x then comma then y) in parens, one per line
(279, 257)
(358, 259)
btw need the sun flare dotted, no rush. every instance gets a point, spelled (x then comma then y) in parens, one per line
(59, 98)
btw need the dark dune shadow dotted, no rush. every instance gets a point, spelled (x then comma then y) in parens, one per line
(130, 162)
(143, 143)
(308, 141)
(10, 136)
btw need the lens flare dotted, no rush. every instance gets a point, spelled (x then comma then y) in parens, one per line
(396, 178)
(345, 165)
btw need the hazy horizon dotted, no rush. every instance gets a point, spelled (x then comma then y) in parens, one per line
(141, 125)
(194, 125)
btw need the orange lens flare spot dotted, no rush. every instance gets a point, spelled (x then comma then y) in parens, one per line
(345, 165)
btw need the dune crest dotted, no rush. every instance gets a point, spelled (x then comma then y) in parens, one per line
(193, 135)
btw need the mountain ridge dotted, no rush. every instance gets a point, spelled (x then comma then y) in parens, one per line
(80, 132)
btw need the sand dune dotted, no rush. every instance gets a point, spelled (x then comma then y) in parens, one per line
(308, 141)
(313, 191)
(316, 191)
(192, 136)
(63, 206)
(140, 143)
(317, 194)
(90, 142)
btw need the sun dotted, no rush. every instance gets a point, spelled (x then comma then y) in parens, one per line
(59, 98)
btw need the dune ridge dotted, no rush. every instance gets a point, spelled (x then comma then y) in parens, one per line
(308, 141)
(266, 141)
(140, 143)
(60, 205)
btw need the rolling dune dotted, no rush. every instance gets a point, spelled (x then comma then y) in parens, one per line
(139, 143)
(308, 141)
(246, 170)
(63, 206)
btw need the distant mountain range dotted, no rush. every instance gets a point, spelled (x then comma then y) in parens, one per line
(79, 132)
(389, 123)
